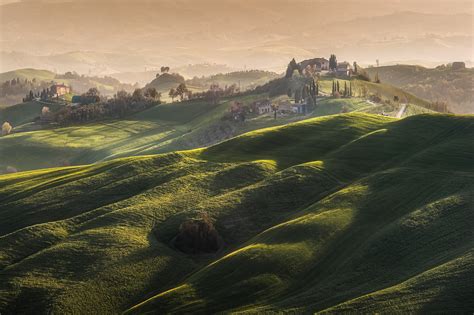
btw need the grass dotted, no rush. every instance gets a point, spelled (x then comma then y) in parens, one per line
(455, 87)
(383, 90)
(23, 113)
(163, 128)
(28, 73)
(343, 213)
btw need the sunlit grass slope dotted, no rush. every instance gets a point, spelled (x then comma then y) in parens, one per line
(383, 90)
(344, 213)
(23, 113)
(163, 128)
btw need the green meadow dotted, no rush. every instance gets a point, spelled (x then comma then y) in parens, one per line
(335, 214)
(163, 128)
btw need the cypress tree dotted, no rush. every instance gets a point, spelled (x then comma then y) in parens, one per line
(338, 86)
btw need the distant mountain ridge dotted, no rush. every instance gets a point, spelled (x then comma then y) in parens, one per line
(259, 38)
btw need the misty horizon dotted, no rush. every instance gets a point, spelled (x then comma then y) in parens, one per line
(143, 35)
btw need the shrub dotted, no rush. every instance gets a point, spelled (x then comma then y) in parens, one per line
(198, 236)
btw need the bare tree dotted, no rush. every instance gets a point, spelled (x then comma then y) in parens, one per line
(6, 128)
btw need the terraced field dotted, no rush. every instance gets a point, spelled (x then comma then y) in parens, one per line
(342, 213)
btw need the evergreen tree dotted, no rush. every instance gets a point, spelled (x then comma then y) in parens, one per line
(350, 89)
(337, 86)
(332, 62)
(297, 96)
(345, 88)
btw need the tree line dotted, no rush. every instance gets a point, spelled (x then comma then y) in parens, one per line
(120, 105)
(213, 94)
(338, 92)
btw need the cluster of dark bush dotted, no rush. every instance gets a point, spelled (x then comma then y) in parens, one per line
(22, 87)
(215, 93)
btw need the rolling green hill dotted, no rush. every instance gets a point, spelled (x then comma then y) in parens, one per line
(343, 213)
(24, 112)
(247, 80)
(364, 89)
(164, 82)
(29, 73)
(163, 128)
(439, 84)
(44, 78)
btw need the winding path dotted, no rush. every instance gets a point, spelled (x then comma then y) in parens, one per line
(401, 111)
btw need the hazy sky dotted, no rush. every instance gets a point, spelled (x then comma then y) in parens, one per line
(117, 35)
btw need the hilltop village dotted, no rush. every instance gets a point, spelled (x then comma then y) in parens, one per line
(303, 89)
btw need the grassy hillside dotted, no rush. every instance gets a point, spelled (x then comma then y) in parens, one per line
(364, 89)
(44, 79)
(165, 82)
(30, 74)
(23, 113)
(163, 128)
(439, 84)
(245, 79)
(342, 213)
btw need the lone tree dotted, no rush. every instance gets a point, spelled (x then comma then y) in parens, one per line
(292, 66)
(355, 67)
(6, 128)
(332, 62)
(198, 236)
(275, 110)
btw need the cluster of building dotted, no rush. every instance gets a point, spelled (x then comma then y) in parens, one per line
(262, 107)
(58, 90)
(322, 64)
